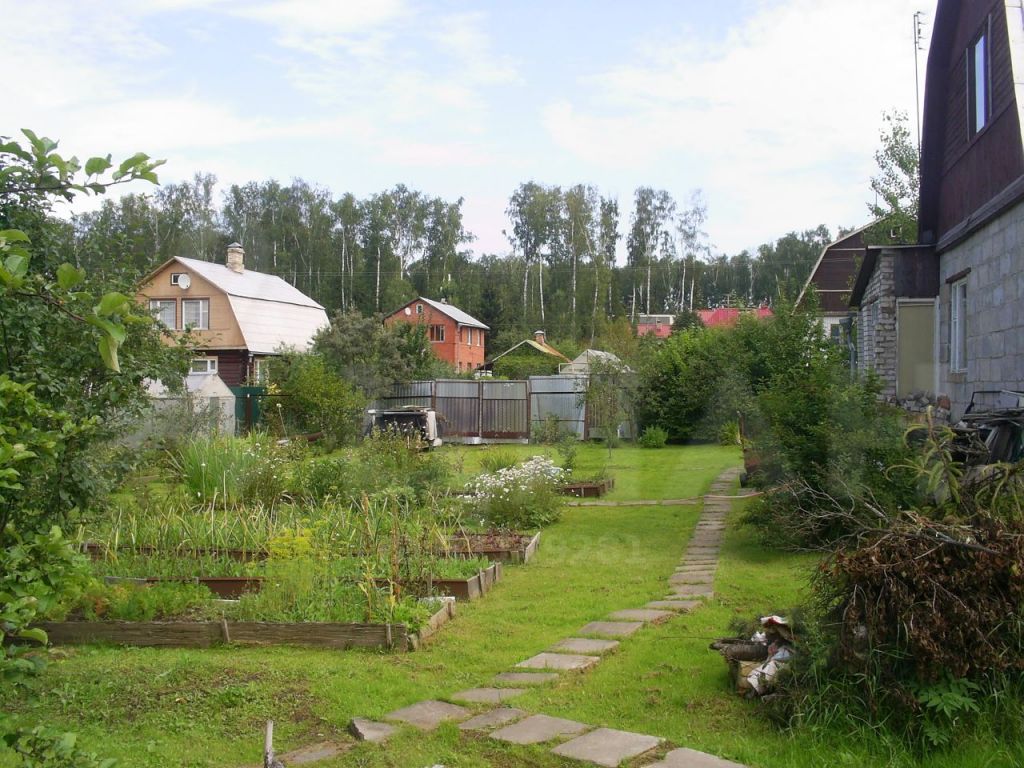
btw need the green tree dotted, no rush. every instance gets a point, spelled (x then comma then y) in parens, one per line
(896, 186)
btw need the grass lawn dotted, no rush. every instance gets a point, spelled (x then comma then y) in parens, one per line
(163, 707)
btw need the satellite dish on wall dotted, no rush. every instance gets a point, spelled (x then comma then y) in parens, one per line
(184, 281)
(408, 311)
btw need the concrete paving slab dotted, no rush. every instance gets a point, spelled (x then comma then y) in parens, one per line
(488, 695)
(427, 715)
(314, 753)
(607, 747)
(370, 730)
(646, 615)
(701, 577)
(693, 590)
(537, 729)
(492, 719)
(584, 645)
(564, 662)
(610, 628)
(691, 758)
(674, 605)
(526, 678)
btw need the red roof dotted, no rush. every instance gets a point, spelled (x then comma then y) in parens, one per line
(725, 316)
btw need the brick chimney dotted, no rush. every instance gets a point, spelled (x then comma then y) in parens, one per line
(539, 337)
(236, 258)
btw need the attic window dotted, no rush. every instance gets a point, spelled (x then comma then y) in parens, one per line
(979, 100)
(419, 309)
(176, 277)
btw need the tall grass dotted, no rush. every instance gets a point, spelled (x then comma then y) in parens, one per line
(230, 470)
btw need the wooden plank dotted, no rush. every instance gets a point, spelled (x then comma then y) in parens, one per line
(173, 634)
(315, 634)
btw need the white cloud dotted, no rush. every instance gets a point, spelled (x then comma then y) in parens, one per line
(766, 120)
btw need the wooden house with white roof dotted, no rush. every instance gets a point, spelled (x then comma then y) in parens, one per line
(238, 317)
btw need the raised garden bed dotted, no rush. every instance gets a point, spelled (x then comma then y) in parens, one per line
(496, 546)
(461, 589)
(203, 634)
(588, 488)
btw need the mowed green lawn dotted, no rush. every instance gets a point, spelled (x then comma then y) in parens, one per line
(207, 708)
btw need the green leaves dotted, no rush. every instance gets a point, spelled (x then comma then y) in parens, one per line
(68, 276)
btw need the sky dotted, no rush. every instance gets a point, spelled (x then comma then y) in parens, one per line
(771, 108)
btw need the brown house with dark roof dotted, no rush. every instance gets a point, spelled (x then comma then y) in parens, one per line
(832, 278)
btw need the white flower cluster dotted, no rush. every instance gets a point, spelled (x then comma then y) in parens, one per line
(527, 476)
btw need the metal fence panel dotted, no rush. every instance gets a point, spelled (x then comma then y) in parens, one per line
(504, 410)
(559, 396)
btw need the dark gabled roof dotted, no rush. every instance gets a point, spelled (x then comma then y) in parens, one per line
(835, 270)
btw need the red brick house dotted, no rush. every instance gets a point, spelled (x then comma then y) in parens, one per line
(455, 336)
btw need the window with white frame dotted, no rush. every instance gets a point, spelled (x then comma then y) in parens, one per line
(195, 313)
(260, 370)
(958, 326)
(203, 365)
(978, 82)
(165, 311)
(437, 333)
(419, 309)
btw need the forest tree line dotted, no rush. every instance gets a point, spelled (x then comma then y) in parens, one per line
(372, 255)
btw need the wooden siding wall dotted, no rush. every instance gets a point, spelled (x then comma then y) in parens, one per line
(233, 366)
(975, 169)
(224, 330)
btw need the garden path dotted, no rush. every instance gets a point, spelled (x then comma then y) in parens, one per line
(690, 584)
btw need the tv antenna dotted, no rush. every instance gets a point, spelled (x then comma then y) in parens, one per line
(918, 47)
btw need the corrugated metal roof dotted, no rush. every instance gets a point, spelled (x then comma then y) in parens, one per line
(269, 324)
(454, 313)
(249, 284)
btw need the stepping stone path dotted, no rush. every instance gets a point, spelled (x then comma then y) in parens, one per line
(691, 583)
(492, 719)
(611, 628)
(691, 758)
(537, 729)
(427, 715)
(369, 730)
(525, 678)
(488, 695)
(561, 661)
(584, 645)
(607, 747)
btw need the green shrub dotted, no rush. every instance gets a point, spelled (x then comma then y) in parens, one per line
(40, 575)
(547, 431)
(653, 437)
(316, 399)
(568, 448)
(519, 498)
(494, 460)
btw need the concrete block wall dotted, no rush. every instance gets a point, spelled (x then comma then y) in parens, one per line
(995, 310)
